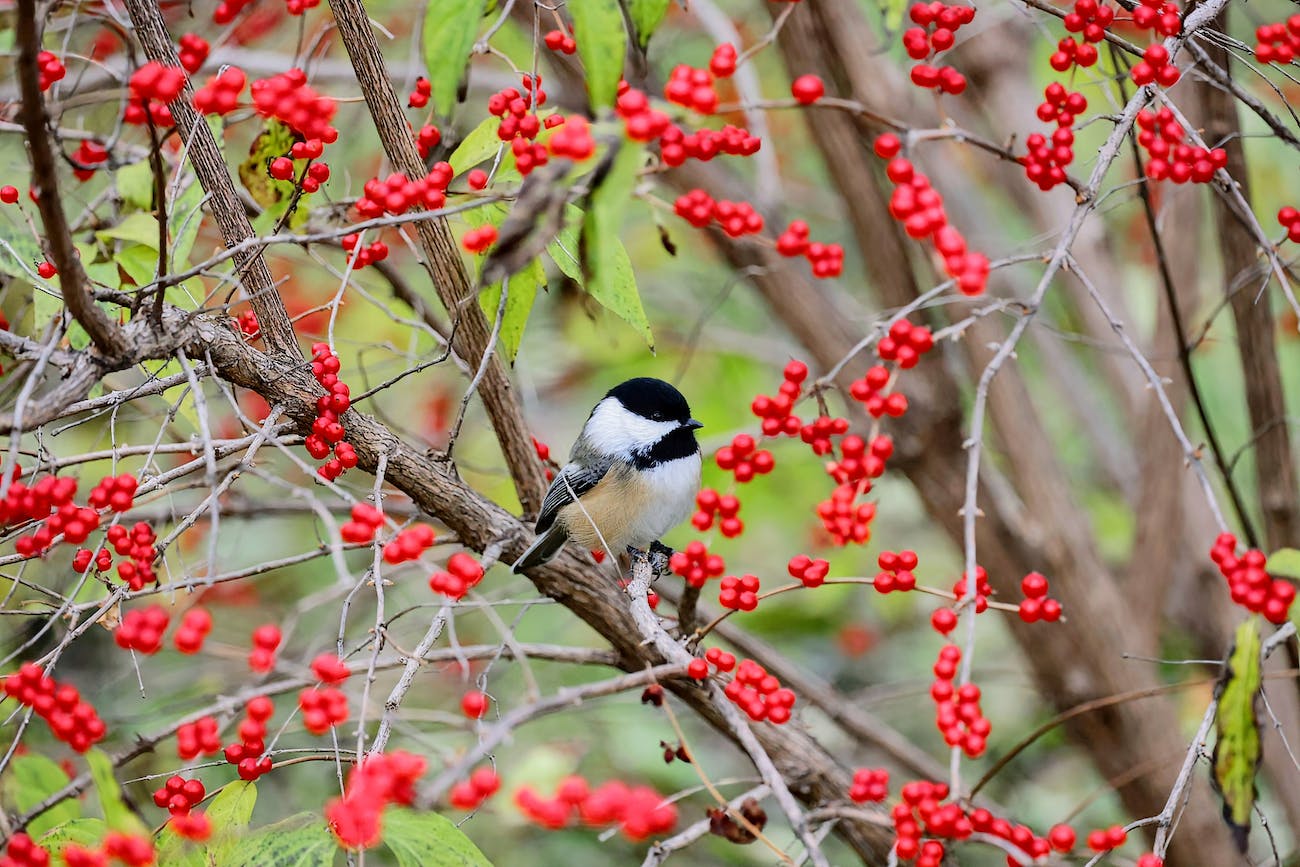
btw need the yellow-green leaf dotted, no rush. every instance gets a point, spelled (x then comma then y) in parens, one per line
(117, 814)
(135, 185)
(602, 45)
(137, 228)
(646, 16)
(521, 290)
(609, 276)
(86, 833)
(1284, 562)
(481, 144)
(229, 813)
(428, 840)
(450, 28)
(1236, 748)
(299, 841)
(31, 779)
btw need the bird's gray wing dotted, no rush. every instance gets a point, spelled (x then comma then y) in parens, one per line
(573, 481)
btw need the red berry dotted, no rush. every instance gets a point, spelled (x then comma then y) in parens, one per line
(807, 89)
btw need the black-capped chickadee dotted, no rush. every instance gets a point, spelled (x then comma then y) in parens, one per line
(632, 475)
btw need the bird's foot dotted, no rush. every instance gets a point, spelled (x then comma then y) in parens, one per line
(656, 558)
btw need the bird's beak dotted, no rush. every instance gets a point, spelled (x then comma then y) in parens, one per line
(693, 424)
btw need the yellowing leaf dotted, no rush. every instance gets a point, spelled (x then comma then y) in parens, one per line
(1236, 748)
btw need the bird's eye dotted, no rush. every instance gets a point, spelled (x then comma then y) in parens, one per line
(657, 416)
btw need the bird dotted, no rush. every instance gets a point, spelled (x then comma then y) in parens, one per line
(632, 475)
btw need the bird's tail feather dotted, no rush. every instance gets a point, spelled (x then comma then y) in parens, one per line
(543, 549)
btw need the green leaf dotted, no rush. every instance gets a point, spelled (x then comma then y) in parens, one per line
(1236, 748)
(521, 291)
(482, 143)
(138, 228)
(428, 840)
(300, 841)
(117, 814)
(1284, 562)
(230, 812)
(450, 28)
(135, 185)
(140, 262)
(84, 832)
(32, 779)
(646, 16)
(602, 45)
(609, 276)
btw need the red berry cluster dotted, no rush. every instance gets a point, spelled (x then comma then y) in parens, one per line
(473, 704)
(220, 93)
(22, 851)
(857, 463)
(869, 785)
(127, 848)
(192, 826)
(542, 449)
(246, 755)
(199, 738)
(1046, 159)
(739, 594)
(809, 571)
(266, 640)
(1159, 15)
(905, 343)
(1172, 156)
(397, 194)
(558, 40)
(463, 572)
(326, 430)
(1155, 66)
(957, 708)
(377, 781)
(299, 7)
(152, 86)
(88, 155)
(1289, 217)
(328, 668)
(1089, 18)
(743, 460)
(720, 659)
(71, 719)
(35, 503)
(735, 218)
(1105, 839)
(409, 544)
(572, 139)
(51, 69)
(247, 323)
(1150, 860)
(983, 590)
(192, 51)
(696, 564)
(1037, 605)
(288, 97)
(676, 145)
(227, 10)
(843, 517)
(896, 571)
(777, 411)
(178, 795)
(921, 41)
(470, 794)
(759, 694)
(102, 559)
(114, 492)
(142, 629)
(366, 521)
(692, 88)
(725, 506)
(641, 121)
(1251, 586)
(639, 811)
(322, 708)
(919, 207)
(1275, 43)
(827, 260)
(723, 62)
(375, 251)
(478, 240)
(818, 434)
(513, 107)
(427, 139)
(138, 545)
(922, 811)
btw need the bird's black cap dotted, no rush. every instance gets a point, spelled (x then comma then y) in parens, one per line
(652, 398)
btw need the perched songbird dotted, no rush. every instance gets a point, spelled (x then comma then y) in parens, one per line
(632, 475)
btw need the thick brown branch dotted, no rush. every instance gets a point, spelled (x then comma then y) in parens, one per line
(105, 333)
